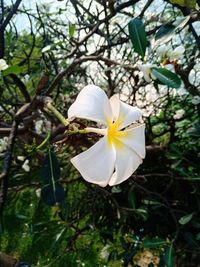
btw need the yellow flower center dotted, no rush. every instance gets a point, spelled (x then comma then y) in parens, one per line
(114, 135)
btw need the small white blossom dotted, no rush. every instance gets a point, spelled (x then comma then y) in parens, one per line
(147, 73)
(196, 100)
(39, 126)
(21, 158)
(26, 166)
(179, 114)
(38, 192)
(162, 50)
(3, 64)
(104, 253)
(3, 144)
(165, 51)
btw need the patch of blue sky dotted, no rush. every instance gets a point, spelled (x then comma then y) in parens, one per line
(21, 20)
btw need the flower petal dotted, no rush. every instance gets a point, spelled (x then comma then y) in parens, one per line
(135, 139)
(115, 105)
(127, 161)
(123, 113)
(92, 103)
(96, 164)
(146, 70)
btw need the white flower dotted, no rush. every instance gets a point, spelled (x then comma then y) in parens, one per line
(104, 253)
(39, 126)
(26, 166)
(162, 50)
(146, 69)
(165, 51)
(3, 64)
(179, 114)
(3, 144)
(176, 53)
(119, 152)
(196, 100)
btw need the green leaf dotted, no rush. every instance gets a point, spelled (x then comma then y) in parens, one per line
(50, 170)
(52, 194)
(142, 213)
(15, 69)
(71, 30)
(51, 47)
(182, 24)
(167, 77)
(164, 34)
(185, 3)
(169, 257)
(185, 219)
(131, 198)
(138, 36)
(153, 243)
(167, 31)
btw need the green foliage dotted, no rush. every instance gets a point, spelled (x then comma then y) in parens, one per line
(167, 31)
(153, 243)
(169, 257)
(52, 192)
(167, 77)
(138, 36)
(185, 3)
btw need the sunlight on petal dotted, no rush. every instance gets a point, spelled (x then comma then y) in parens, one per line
(128, 114)
(135, 139)
(127, 161)
(96, 164)
(115, 105)
(92, 103)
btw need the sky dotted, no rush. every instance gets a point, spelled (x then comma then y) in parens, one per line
(22, 22)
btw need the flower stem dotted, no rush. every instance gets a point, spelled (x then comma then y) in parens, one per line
(57, 114)
(96, 130)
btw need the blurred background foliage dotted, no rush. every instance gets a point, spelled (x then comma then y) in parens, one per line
(55, 48)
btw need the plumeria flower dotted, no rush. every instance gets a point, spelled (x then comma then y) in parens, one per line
(147, 71)
(39, 125)
(25, 165)
(120, 151)
(179, 114)
(3, 144)
(196, 100)
(165, 51)
(3, 64)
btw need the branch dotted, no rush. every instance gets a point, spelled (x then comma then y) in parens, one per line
(10, 15)
(69, 70)
(25, 110)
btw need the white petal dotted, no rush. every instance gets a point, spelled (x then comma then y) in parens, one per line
(92, 103)
(96, 164)
(146, 69)
(177, 52)
(123, 113)
(3, 64)
(135, 139)
(127, 161)
(162, 50)
(115, 106)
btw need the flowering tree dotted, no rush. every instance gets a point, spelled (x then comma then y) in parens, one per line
(78, 185)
